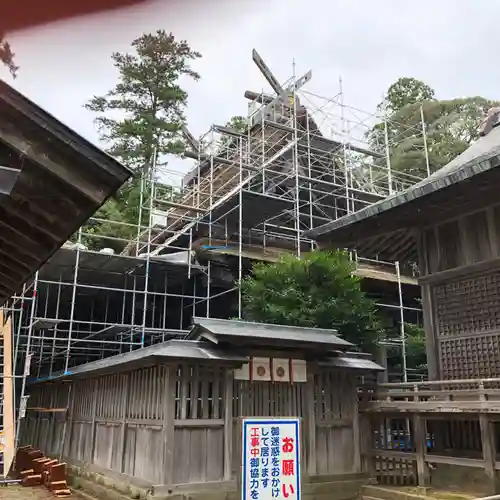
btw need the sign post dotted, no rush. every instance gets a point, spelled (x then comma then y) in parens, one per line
(271, 459)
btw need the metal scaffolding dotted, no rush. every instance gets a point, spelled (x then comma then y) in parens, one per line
(300, 162)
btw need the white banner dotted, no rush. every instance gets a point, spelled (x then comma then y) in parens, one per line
(22, 406)
(271, 459)
(27, 365)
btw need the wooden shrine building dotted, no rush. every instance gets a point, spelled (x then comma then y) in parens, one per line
(444, 432)
(451, 222)
(51, 181)
(167, 417)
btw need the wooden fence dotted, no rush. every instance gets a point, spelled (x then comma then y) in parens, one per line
(181, 424)
(413, 432)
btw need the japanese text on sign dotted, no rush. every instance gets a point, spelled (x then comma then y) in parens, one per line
(271, 465)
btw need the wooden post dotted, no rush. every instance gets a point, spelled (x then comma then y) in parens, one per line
(228, 423)
(124, 411)
(420, 442)
(366, 434)
(49, 440)
(311, 426)
(169, 424)
(94, 423)
(70, 422)
(433, 364)
(356, 430)
(8, 394)
(382, 377)
(69, 410)
(35, 439)
(489, 450)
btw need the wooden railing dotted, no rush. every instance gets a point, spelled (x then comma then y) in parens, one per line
(427, 432)
(476, 395)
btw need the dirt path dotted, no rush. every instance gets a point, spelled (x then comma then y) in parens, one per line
(21, 493)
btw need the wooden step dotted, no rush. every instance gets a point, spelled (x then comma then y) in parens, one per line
(32, 480)
(62, 493)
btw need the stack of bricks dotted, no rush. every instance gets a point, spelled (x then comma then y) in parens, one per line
(35, 469)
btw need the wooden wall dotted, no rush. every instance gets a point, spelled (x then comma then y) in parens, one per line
(126, 423)
(460, 264)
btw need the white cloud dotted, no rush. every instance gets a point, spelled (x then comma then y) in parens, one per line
(370, 43)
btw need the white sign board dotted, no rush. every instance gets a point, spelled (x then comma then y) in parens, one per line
(271, 459)
(27, 365)
(22, 406)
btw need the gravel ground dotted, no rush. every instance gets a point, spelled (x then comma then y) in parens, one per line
(21, 493)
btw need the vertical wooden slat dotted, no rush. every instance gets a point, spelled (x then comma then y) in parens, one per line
(216, 394)
(159, 393)
(421, 449)
(70, 404)
(367, 446)
(356, 433)
(154, 392)
(168, 424)
(204, 396)
(94, 414)
(228, 422)
(125, 399)
(142, 396)
(195, 387)
(183, 393)
(311, 424)
(489, 450)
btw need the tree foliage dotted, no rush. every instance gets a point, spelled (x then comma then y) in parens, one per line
(7, 56)
(228, 145)
(148, 100)
(318, 290)
(238, 123)
(415, 346)
(406, 91)
(416, 354)
(140, 121)
(450, 126)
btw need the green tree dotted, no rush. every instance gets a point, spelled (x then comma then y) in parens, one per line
(318, 290)
(7, 56)
(148, 100)
(238, 123)
(450, 127)
(140, 121)
(406, 91)
(416, 350)
(416, 353)
(227, 144)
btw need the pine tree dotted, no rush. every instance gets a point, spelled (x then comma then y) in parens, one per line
(148, 100)
(140, 121)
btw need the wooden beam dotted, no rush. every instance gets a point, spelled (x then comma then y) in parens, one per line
(41, 154)
(125, 397)
(489, 451)
(228, 423)
(168, 425)
(49, 410)
(311, 425)
(421, 449)
(96, 395)
(8, 394)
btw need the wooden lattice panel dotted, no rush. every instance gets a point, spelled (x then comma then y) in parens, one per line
(471, 357)
(470, 305)
(467, 326)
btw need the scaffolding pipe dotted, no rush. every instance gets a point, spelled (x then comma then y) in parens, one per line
(27, 358)
(424, 135)
(73, 300)
(402, 324)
